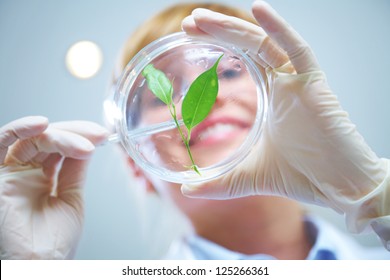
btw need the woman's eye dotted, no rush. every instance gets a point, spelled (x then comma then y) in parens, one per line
(229, 74)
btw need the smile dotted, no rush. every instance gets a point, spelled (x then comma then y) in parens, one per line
(214, 132)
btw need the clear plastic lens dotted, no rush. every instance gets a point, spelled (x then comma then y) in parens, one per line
(146, 127)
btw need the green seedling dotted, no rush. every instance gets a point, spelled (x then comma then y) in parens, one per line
(196, 105)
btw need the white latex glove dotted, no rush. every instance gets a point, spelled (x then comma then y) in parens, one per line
(42, 170)
(309, 150)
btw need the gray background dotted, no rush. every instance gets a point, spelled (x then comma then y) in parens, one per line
(350, 39)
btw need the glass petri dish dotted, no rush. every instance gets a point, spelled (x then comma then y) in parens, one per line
(147, 130)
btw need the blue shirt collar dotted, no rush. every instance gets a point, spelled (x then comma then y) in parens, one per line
(205, 249)
(328, 244)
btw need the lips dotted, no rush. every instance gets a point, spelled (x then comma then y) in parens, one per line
(215, 130)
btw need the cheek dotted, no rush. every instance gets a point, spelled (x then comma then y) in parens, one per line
(154, 115)
(166, 149)
(240, 92)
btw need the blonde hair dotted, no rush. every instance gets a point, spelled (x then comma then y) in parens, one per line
(169, 21)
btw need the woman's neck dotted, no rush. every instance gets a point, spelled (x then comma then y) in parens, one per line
(257, 224)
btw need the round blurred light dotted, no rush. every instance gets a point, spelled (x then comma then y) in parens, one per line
(84, 59)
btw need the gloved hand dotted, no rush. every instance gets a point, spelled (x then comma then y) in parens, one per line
(309, 150)
(42, 170)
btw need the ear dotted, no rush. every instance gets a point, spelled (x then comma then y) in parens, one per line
(140, 174)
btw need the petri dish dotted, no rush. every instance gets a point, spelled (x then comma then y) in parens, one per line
(144, 124)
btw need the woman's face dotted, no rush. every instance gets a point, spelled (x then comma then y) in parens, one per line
(224, 129)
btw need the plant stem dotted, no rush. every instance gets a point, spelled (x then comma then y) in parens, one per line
(172, 110)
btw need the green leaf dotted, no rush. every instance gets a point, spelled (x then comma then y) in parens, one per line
(200, 97)
(158, 83)
(197, 103)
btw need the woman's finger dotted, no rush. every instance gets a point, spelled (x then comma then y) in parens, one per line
(52, 141)
(298, 51)
(90, 130)
(238, 32)
(20, 129)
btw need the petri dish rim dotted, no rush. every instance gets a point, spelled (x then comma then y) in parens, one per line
(133, 70)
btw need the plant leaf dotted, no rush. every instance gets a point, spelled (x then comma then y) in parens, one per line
(200, 97)
(158, 83)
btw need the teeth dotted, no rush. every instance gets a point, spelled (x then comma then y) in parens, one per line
(216, 129)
